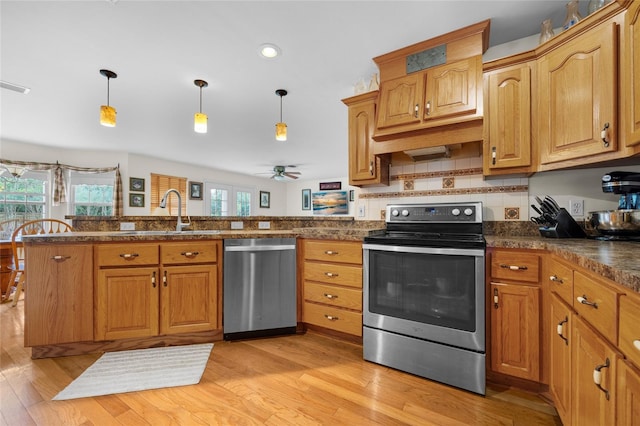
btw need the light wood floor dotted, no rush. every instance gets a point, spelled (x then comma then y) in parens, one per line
(294, 380)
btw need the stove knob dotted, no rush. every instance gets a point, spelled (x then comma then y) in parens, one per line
(468, 211)
(405, 213)
(455, 212)
(394, 212)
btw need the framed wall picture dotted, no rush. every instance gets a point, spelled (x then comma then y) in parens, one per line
(136, 184)
(136, 200)
(352, 195)
(330, 202)
(265, 199)
(324, 186)
(306, 199)
(195, 190)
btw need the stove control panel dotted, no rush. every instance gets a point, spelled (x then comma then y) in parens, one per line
(429, 213)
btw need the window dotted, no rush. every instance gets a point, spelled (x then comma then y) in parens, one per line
(91, 194)
(160, 184)
(227, 200)
(25, 197)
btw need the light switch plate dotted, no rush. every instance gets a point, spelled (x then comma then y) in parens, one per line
(127, 226)
(361, 211)
(264, 225)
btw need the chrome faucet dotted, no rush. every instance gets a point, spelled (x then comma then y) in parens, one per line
(163, 204)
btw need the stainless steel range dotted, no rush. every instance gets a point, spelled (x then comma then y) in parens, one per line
(424, 305)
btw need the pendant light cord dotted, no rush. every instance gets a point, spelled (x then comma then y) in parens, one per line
(108, 90)
(200, 99)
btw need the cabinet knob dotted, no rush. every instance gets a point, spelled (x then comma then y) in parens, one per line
(371, 167)
(583, 300)
(636, 344)
(604, 134)
(415, 110)
(494, 154)
(427, 108)
(597, 377)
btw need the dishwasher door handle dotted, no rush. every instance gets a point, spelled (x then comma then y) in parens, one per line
(261, 248)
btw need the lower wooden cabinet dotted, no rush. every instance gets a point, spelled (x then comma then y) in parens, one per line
(593, 377)
(173, 291)
(59, 298)
(628, 395)
(560, 343)
(332, 285)
(515, 330)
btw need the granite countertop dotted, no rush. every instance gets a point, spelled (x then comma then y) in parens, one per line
(618, 261)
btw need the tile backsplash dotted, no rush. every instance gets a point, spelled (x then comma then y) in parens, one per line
(449, 180)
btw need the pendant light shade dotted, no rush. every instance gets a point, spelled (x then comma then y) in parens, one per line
(107, 112)
(281, 127)
(200, 119)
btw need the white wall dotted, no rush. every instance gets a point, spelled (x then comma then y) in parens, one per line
(294, 195)
(141, 167)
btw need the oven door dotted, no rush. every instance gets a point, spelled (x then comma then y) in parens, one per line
(434, 294)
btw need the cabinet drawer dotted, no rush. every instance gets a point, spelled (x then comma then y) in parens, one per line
(332, 295)
(629, 324)
(334, 273)
(561, 280)
(333, 251)
(333, 318)
(597, 304)
(127, 254)
(189, 252)
(515, 266)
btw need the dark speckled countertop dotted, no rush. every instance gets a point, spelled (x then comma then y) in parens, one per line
(618, 261)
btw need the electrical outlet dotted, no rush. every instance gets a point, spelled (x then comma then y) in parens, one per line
(237, 225)
(264, 225)
(576, 207)
(127, 226)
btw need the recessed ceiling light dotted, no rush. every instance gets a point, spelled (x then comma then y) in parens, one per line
(14, 87)
(269, 50)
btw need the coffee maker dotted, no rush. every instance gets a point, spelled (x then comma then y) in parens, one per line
(627, 184)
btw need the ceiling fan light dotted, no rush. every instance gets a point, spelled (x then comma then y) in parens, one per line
(200, 122)
(108, 116)
(281, 132)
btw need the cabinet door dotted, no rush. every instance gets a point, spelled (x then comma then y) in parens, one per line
(451, 89)
(515, 330)
(189, 299)
(509, 117)
(628, 395)
(630, 70)
(127, 303)
(400, 101)
(560, 366)
(59, 294)
(590, 353)
(364, 167)
(578, 93)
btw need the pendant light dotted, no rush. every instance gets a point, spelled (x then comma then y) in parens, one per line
(107, 112)
(281, 127)
(200, 119)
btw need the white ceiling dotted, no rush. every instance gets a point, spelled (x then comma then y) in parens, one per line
(158, 48)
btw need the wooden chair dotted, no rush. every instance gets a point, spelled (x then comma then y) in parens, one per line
(33, 227)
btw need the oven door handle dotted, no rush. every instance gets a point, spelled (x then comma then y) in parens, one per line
(424, 250)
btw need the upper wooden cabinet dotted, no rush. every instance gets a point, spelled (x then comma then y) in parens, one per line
(437, 96)
(365, 168)
(577, 97)
(630, 91)
(507, 120)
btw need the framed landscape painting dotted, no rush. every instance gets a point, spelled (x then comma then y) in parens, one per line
(330, 203)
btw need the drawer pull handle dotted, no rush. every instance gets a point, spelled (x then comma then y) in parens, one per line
(560, 329)
(513, 267)
(59, 258)
(190, 253)
(636, 344)
(427, 107)
(555, 279)
(331, 274)
(496, 299)
(331, 317)
(330, 296)
(583, 299)
(604, 134)
(331, 253)
(164, 279)
(597, 377)
(153, 279)
(129, 256)
(415, 110)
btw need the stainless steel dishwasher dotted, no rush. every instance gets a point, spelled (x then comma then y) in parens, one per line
(259, 287)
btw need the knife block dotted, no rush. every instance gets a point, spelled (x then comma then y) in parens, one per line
(565, 227)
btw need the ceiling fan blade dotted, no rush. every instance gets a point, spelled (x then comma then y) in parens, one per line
(291, 175)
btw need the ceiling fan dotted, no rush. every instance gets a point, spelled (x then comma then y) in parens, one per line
(281, 173)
